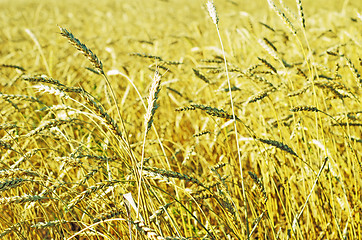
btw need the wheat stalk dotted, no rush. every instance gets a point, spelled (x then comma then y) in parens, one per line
(297, 217)
(213, 14)
(99, 67)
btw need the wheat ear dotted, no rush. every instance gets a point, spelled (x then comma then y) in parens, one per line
(301, 12)
(12, 66)
(43, 79)
(285, 19)
(214, 111)
(279, 145)
(151, 109)
(12, 183)
(152, 101)
(83, 48)
(10, 229)
(21, 199)
(354, 71)
(268, 65)
(201, 76)
(42, 225)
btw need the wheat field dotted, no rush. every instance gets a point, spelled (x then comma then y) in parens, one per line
(165, 119)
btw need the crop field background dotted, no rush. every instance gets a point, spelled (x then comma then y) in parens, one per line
(150, 119)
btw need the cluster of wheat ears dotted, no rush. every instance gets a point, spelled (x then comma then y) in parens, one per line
(215, 145)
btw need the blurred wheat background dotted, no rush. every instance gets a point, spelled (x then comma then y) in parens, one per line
(137, 139)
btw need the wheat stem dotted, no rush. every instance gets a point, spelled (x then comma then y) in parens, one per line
(213, 14)
(151, 109)
(296, 219)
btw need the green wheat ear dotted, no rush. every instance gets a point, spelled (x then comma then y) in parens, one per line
(83, 48)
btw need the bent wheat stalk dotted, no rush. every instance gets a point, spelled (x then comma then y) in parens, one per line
(98, 65)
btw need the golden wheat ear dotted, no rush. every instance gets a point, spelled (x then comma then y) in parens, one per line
(152, 101)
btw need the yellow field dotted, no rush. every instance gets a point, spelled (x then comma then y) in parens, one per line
(151, 120)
